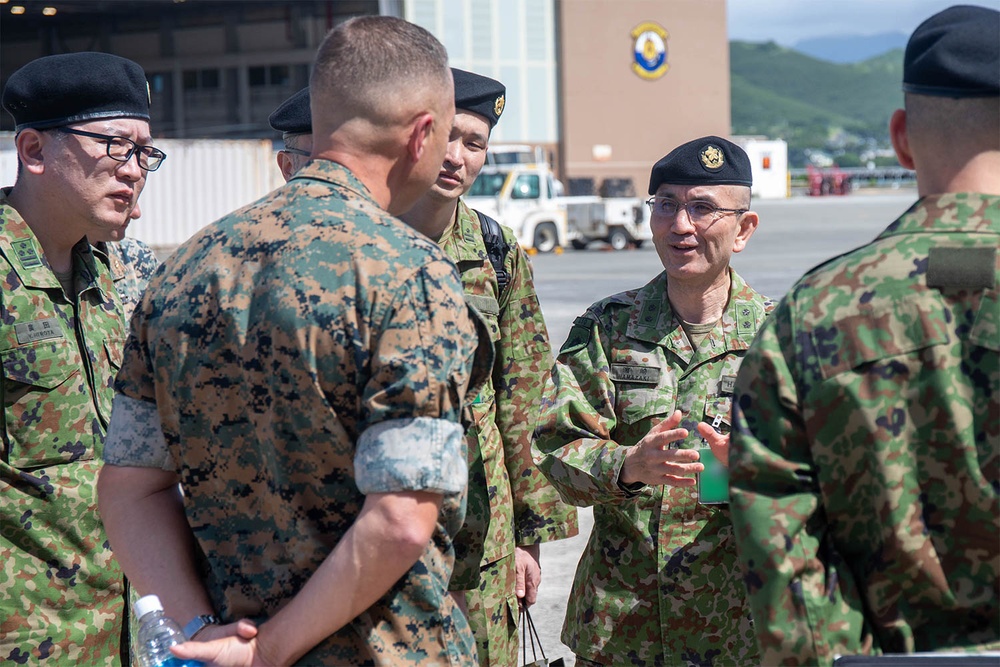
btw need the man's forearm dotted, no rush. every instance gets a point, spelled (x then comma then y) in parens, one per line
(144, 518)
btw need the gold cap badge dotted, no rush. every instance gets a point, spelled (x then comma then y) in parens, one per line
(498, 106)
(712, 158)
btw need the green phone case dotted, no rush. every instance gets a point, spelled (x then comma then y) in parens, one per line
(713, 483)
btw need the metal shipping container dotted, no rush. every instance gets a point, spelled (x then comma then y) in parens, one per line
(201, 181)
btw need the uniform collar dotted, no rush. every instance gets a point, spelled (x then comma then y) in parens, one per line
(335, 174)
(463, 241)
(966, 212)
(653, 321)
(20, 246)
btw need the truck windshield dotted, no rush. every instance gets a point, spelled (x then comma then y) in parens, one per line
(487, 185)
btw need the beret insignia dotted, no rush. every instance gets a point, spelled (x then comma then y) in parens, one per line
(712, 158)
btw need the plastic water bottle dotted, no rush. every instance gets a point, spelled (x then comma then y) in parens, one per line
(157, 633)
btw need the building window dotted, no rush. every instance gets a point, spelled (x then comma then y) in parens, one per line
(201, 79)
(275, 75)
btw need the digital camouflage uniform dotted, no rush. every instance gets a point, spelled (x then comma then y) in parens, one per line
(510, 502)
(658, 582)
(865, 467)
(303, 352)
(61, 590)
(132, 265)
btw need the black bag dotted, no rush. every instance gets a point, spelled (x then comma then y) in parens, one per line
(530, 635)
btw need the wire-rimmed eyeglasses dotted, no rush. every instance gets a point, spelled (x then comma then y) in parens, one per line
(121, 149)
(698, 210)
(296, 151)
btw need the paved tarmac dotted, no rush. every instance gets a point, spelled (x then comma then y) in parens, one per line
(794, 235)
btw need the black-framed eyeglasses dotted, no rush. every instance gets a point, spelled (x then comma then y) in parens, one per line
(121, 149)
(698, 210)
(296, 151)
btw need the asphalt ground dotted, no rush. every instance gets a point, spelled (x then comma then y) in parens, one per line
(794, 235)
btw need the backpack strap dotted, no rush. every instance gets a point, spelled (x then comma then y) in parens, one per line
(496, 248)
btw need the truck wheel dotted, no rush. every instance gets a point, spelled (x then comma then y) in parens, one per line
(579, 245)
(618, 239)
(545, 239)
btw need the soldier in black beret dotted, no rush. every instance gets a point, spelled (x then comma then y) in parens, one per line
(508, 498)
(84, 150)
(293, 119)
(656, 420)
(865, 443)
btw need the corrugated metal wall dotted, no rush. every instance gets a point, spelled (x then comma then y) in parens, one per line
(201, 181)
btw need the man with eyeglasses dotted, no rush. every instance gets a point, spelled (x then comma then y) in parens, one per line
(293, 120)
(83, 145)
(640, 396)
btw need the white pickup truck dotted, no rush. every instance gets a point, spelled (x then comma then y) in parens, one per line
(527, 198)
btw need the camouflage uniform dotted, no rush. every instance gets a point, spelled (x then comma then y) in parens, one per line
(658, 582)
(60, 586)
(510, 502)
(132, 265)
(326, 344)
(866, 461)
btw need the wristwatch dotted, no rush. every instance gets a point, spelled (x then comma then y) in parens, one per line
(198, 623)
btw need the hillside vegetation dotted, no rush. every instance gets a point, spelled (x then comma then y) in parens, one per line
(842, 110)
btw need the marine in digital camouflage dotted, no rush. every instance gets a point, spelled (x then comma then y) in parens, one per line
(132, 265)
(865, 463)
(61, 588)
(293, 330)
(510, 501)
(658, 582)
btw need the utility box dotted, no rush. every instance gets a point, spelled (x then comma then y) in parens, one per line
(769, 164)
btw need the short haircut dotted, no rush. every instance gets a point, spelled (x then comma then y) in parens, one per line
(961, 124)
(370, 66)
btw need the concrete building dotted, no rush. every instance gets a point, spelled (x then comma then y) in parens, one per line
(606, 87)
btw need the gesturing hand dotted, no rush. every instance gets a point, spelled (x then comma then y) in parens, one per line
(652, 461)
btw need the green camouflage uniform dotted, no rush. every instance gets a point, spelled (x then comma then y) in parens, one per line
(865, 468)
(61, 589)
(302, 353)
(510, 502)
(658, 582)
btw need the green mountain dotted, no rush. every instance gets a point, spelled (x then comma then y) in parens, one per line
(814, 105)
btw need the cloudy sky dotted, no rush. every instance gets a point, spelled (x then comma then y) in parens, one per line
(788, 21)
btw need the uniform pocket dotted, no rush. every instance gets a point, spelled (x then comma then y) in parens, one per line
(43, 394)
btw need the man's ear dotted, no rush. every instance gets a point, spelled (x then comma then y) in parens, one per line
(900, 139)
(748, 225)
(285, 165)
(420, 132)
(30, 144)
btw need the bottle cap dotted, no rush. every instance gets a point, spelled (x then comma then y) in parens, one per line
(146, 604)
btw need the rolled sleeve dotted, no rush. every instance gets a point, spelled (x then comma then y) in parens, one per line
(418, 454)
(135, 436)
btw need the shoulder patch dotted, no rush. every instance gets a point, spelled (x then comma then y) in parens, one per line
(961, 268)
(579, 335)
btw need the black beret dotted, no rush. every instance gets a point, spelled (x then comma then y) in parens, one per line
(955, 53)
(479, 94)
(706, 161)
(292, 116)
(76, 88)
